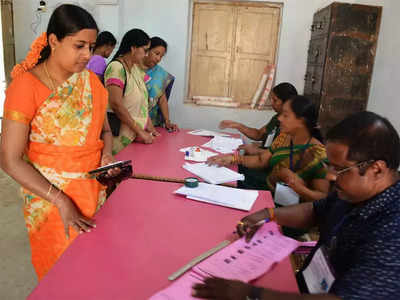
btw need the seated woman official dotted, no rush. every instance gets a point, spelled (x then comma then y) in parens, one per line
(296, 157)
(128, 96)
(266, 134)
(159, 84)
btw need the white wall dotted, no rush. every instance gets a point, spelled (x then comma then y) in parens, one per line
(384, 98)
(107, 19)
(170, 20)
(27, 19)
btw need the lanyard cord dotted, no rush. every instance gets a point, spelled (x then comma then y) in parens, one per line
(336, 228)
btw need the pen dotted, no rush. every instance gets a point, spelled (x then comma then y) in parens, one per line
(259, 223)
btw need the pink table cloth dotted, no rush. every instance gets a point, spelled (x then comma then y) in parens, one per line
(145, 233)
(163, 158)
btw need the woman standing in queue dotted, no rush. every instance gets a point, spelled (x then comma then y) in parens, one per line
(159, 84)
(105, 44)
(128, 95)
(54, 132)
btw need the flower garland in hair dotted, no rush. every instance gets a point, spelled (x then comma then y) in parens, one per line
(31, 58)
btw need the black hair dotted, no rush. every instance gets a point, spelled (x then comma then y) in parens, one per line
(284, 91)
(369, 137)
(133, 38)
(157, 41)
(67, 19)
(304, 108)
(105, 38)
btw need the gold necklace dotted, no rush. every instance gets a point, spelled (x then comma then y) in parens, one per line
(48, 76)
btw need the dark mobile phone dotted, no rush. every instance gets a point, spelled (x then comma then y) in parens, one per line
(117, 164)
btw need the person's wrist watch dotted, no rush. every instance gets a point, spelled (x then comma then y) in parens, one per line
(255, 293)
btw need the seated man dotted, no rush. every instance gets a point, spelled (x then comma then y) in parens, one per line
(359, 241)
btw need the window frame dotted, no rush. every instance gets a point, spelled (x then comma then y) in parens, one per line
(262, 4)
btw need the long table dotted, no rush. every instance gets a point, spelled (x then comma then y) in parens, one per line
(145, 233)
(162, 158)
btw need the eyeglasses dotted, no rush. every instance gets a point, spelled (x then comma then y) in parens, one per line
(361, 165)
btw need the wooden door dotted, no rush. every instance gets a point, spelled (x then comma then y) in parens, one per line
(8, 37)
(257, 33)
(211, 49)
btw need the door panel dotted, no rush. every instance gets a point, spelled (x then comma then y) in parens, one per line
(232, 43)
(209, 76)
(256, 39)
(211, 50)
(8, 37)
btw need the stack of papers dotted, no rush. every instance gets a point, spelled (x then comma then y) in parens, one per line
(213, 174)
(204, 132)
(240, 260)
(197, 154)
(220, 195)
(224, 144)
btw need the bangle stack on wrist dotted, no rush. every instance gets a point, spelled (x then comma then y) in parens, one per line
(271, 213)
(236, 159)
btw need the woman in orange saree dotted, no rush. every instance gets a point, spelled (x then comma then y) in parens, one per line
(54, 132)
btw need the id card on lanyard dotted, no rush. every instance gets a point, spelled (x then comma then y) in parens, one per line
(285, 195)
(319, 275)
(270, 138)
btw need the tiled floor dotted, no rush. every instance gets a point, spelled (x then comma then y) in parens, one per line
(17, 277)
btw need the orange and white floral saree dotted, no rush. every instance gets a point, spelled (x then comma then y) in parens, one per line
(64, 144)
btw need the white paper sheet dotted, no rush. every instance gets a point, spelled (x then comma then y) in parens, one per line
(270, 139)
(224, 144)
(213, 174)
(203, 132)
(220, 195)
